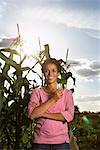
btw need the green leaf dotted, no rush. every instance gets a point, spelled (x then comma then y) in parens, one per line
(8, 61)
(10, 50)
(25, 138)
(25, 68)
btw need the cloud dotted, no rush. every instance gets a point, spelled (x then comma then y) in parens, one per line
(7, 42)
(88, 102)
(3, 5)
(71, 14)
(68, 17)
(75, 63)
(88, 98)
(95, 65)
(89, 106)
(88, 72)
(92, 33)
(85, 67)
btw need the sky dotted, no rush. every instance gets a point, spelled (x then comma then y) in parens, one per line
(63, 24)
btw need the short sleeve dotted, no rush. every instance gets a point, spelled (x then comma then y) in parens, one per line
(34, 99)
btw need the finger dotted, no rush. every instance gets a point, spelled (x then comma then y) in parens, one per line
(60, 91)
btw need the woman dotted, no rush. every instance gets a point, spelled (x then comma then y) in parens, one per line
(52, 108)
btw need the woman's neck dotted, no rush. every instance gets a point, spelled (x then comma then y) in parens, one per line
(51, 88)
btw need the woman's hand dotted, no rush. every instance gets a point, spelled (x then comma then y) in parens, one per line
(39, 111)
(57, 94)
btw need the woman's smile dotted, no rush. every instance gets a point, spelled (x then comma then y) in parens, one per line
(51, 73)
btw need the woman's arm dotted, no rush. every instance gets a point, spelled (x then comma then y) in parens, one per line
(54, 116)
(66, 115)
(39, 111)
(69, 111)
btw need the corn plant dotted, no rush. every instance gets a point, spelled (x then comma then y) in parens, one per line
(15, 126)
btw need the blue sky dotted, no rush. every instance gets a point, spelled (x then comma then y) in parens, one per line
(73, 24)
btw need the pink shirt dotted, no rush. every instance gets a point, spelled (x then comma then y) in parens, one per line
(50, 131)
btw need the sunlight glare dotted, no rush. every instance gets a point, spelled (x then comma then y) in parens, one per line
(31, 34)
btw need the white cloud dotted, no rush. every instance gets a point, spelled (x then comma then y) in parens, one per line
(95, 65)
(3, 5)
(58, 12)
(88, 98)
(89, 106)
(70, 18)
(85, 70)
(88, 102)
(79, 62)
(85, 67)
(93, 33)
(67, 13)
(88, 72)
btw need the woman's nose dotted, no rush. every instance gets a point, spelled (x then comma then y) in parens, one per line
(50, 72)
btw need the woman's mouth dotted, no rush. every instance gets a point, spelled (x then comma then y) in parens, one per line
(50, 78)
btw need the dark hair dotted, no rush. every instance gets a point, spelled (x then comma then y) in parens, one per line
(51, 61)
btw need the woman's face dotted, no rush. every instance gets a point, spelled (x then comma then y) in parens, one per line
(51, 73)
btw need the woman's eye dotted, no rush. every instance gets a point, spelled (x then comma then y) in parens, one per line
(54, 70)
(46, 71)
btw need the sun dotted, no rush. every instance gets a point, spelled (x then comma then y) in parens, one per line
(35, 36)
